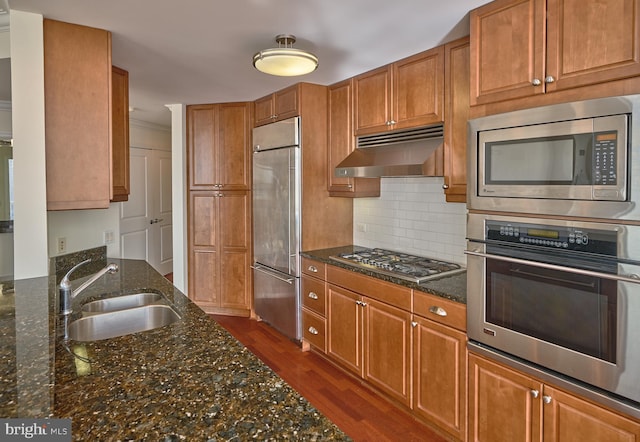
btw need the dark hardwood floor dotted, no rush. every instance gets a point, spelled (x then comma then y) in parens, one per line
(355, 409)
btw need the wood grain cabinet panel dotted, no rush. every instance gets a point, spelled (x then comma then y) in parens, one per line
(219, 210)
(506, 405)
(440, 375)
(277, 106)
(404, 94)
(342, 143)
(524, 48)
(120, 131)
(77, 87)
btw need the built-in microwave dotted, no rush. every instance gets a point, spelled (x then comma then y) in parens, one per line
(570, 159)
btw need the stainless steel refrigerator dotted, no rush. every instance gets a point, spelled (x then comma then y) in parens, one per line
(276, 225)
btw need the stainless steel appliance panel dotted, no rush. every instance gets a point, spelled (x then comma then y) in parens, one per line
(554, 314)
(561, 199)
(276, 208)
(277, 301)
(276, 225)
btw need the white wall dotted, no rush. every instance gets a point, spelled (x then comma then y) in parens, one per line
(412, 216)
(27, 91)
(84, 229)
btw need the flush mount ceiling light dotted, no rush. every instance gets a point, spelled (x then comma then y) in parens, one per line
(284, 60)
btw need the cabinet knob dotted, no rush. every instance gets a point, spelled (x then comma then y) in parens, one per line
(546, 399)
(549, 79)
(445, 186)
(313, 295)
(313, 330)
(156, 220)
(391, 122)
(313, 269)
(535, 393)
(437, 310)
(414, 324)
(536, 82)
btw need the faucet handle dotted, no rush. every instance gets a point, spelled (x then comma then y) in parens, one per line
(65, 283)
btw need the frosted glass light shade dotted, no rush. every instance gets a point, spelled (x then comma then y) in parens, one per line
(285, 62)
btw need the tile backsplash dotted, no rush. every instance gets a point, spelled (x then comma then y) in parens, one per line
(412, 216)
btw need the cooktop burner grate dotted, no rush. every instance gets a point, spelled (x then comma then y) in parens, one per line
(400, 265)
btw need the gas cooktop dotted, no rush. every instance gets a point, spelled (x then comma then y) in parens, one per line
(400, 265)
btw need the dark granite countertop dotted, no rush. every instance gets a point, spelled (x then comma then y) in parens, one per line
(190, 380)
(452, 287)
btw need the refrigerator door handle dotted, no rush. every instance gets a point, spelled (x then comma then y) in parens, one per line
(262, 269)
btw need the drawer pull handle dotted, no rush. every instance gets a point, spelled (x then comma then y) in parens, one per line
(313, 330)
(437, 310)
(313, 269)
(313, 295)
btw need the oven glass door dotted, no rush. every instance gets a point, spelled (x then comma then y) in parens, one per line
(567, 309)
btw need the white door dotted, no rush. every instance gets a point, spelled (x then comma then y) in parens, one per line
(145, 219)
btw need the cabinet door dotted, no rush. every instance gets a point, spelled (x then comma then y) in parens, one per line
(201, 150)
(568, 418)
(286, 103)
(120, 133)
(507, 50)
(372, 101)
(234, 146)
(457, 114)
(264, 110)
(234, 223)
(344, 328)
(204, 252)
(439, 358)
(77, 89)
(387, 350)
(592, 41)
(418, 89)
(342, 143)
(503, 406)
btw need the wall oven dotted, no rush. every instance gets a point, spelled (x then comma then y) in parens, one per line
(571, 159)
(560, 295)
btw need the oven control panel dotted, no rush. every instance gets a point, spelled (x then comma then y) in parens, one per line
(564, 237)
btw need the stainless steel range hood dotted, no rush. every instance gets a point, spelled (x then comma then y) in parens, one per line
(413, 152)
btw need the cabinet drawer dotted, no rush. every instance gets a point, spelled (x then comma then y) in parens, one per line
(313, 295)
(313, 267)
(393, 294)
(314, 329)
(441, 310)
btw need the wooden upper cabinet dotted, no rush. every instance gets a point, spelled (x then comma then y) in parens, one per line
(77, 87)
(522, 48)
(219, 146)
(407, 93)
(456, 116)
(342, 143)
(277, 106)
(120, 137)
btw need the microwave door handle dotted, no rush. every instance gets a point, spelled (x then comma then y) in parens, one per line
(634, 279)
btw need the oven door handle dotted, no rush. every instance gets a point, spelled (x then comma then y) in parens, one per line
(633, 278)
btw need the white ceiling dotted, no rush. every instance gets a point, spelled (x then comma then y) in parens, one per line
(200, 51)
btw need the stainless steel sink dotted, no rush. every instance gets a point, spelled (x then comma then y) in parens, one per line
(121, 322)
(122, 302)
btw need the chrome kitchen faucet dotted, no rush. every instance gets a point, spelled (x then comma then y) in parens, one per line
(67, 294)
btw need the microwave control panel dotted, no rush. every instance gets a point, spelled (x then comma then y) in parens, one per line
(567, 238)
(605, 161)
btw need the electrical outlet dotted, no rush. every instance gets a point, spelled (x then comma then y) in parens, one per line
(362, 227)
(62, 245)
(107, 236)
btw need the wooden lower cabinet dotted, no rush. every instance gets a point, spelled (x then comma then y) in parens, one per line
(372, 339)
(220, 251)
(508, 406)
(439, 375)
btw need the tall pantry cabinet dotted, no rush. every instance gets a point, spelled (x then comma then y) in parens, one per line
(219, 207)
